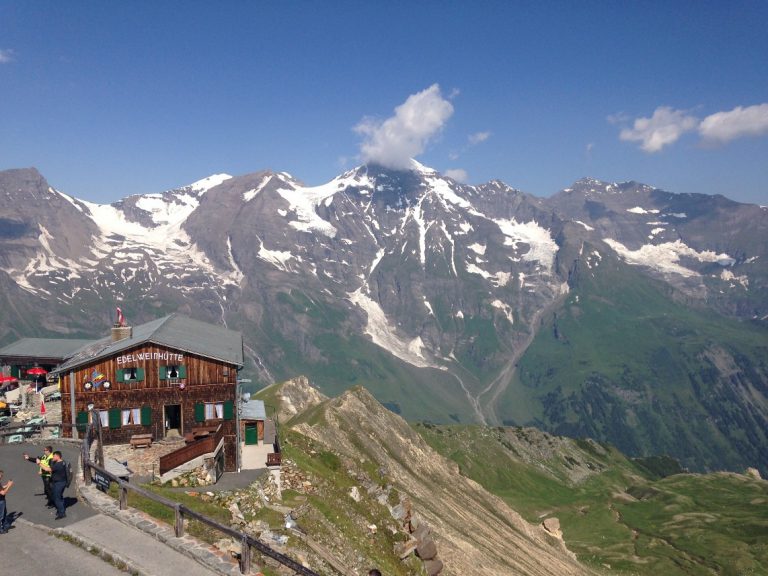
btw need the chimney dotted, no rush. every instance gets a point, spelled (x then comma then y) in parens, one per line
(121, 332)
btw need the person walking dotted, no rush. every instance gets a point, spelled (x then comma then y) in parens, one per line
(3, 509)
(46, 476)
(58, 470)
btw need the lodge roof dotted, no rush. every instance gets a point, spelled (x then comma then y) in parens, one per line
(252, 409)
(175, 331)
(50, 348)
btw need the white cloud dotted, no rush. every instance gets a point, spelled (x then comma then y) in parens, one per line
(663, 128)
(393, 142)
(478, 137)
(458, 174)
(723, 127)
(6, 55)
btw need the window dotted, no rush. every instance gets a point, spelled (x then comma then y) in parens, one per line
(173, 372)
(104, 417)
(214, 411)
(132, 374)
(131, 417)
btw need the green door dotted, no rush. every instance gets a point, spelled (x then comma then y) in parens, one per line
(251, 436)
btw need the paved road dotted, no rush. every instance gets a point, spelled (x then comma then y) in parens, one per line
(26, 549)
(26, 499)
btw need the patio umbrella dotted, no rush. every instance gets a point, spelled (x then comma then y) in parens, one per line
(6, 380)
(37, 371)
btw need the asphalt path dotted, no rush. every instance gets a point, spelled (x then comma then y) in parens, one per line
(25, 499)
(27, 549)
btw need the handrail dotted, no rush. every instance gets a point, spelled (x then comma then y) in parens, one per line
(182, 511)
(190, 451)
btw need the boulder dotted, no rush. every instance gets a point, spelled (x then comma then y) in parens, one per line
(405, 549)
(753, 473)
(433, 567)
(426, 549)
(552, 525)
(421, 531)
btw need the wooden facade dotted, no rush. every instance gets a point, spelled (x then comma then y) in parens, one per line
(154, 389)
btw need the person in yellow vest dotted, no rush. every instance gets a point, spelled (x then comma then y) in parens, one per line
(45, 459)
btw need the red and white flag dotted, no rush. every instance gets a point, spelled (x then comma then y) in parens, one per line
(120, 317)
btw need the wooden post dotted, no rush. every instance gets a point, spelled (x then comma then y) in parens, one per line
(100, 452)
(179, 524)
(123, 497)
(75, 433)
(245, 556)
(87, 473)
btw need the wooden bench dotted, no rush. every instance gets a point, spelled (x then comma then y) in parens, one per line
(141, 440)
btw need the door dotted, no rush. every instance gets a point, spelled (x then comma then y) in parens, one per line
(251, 434)
(173, 420)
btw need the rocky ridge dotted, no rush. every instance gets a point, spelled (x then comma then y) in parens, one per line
(486, 537)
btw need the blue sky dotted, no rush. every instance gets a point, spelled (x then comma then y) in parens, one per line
(109, 99)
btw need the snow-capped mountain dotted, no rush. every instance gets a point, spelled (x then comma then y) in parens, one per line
(424, 289)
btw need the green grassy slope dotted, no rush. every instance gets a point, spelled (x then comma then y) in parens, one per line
(622, 361)
(614, 512)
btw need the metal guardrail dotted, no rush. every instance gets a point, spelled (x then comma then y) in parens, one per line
(21, 428)
(181, 512)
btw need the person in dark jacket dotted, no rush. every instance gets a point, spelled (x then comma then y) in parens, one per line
(58, 469)
(3, 491)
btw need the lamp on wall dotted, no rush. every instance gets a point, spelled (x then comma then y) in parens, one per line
(90, 407)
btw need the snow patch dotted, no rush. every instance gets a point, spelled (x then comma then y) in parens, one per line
(249, 195)
(278, 258)
(542, 248)
(639, 210)
(478, 248)
(665, 257)
(728, 276)
(384, 335)
(586, 226)
(504, 308)
(202, 186)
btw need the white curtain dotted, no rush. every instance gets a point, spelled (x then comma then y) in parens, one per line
(104, 417)
(219, 411)
(136, 413)
(126, 417)
(209, 412)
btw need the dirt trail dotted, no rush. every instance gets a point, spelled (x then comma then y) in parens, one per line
(500, 384)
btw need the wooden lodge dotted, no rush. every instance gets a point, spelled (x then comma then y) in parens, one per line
(170, 377)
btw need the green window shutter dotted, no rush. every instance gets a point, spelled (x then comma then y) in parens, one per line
(81, 420)
(182, 371)
(120, 375)
(115, 417)
(139, 373)
(146, 415)
(199, 412)
(163, 372)
(229, 410)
